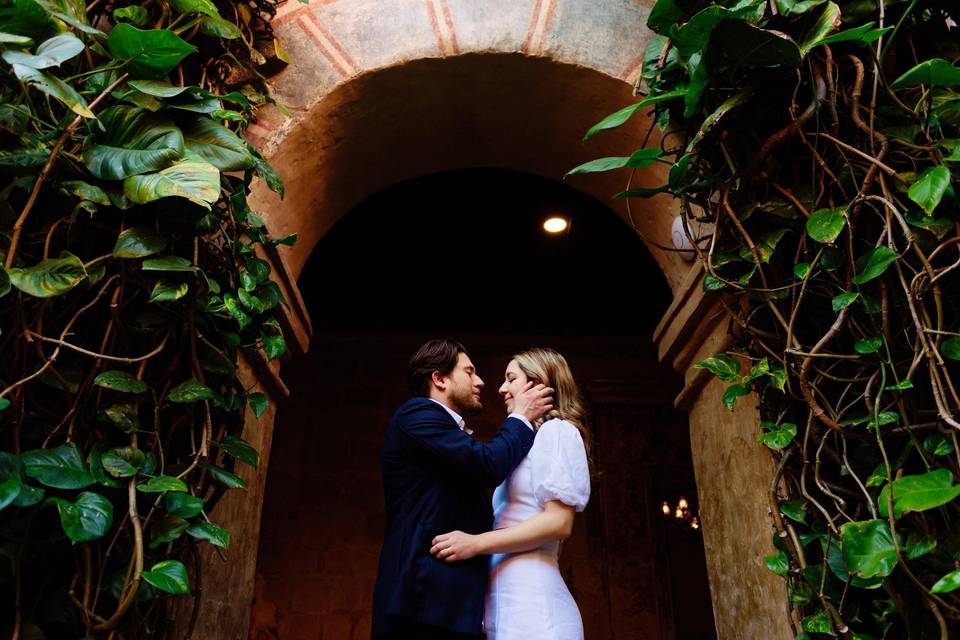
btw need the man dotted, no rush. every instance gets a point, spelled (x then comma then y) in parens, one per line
(435, 479)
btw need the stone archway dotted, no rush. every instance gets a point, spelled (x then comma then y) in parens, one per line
(385, 90)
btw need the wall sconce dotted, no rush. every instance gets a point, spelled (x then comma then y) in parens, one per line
(680, 514)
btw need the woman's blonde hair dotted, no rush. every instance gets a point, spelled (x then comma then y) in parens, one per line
(548, 367)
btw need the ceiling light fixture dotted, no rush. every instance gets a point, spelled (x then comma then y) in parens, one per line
(555, 224)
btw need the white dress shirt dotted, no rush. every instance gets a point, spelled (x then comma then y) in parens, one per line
(463, 424)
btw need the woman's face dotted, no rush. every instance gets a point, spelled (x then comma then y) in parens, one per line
(514, 380)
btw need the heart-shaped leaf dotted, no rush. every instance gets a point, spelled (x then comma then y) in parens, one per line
(58, 467)
(167, 529)
(215, 535)
(123, 462)
(89, 518)
(935, 72)
(168, 291)
(919, 492)
(150, 53)
(868, 549)
(777, 436)
(929, 188)
(50, 277)
(158, 484)
(133, 141)
(120, 381)
(190, 391)
(195, 6)
(139, 242)
(241, 450)
(225, 479)
(54, 87)
(873, 263)
(258, 403)
(51, 53)
(824, 225)
(198, 182)
(217, 145)
(169, 576)
(182, 504)
(219, 28)
(638, 160)
(948, 583)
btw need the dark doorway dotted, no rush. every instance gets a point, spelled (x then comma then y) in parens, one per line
(462, 254)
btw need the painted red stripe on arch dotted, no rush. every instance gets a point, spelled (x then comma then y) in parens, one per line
(533, 26)
(441, 45)
(548, 25)
(445, 8)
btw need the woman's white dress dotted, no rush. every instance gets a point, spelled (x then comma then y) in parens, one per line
(527, 598)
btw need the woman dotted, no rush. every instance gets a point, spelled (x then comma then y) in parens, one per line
(533, 512)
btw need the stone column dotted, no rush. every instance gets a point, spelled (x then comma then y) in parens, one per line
(733, 472)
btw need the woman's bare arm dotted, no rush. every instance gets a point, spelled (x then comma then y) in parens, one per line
(554, 523)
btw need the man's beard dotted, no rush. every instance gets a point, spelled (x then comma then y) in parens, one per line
(468, 406)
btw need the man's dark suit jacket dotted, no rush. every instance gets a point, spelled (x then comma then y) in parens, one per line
(435, 480)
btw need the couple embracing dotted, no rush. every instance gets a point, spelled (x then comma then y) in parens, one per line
(453, 567)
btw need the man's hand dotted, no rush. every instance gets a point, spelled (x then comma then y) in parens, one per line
(533, 401)
(455, 546)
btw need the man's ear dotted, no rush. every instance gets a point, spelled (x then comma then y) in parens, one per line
(438, 381)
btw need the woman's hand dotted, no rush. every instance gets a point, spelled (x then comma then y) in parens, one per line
(455, 546)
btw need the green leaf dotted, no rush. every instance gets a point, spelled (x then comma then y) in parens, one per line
(26, 18)
(664, 14)
(929, 188)
(938, 444)
(835, 562)
(133, 141)
(796, 510)
(827, 21)
(777, 436)
(950, 348)
(123, 415)
(168, 291)
(868, 345)
(219, 28)
(266, 171)
(878, 477)
(864, 34)
(198, 182)
(182, 504)
(919, 492)
(937, 226)
(801, 269)
(120, 381)
(843, 300)
(217, 536)
(167, 529)
(919, 545)
(51, 53)
(150, 54)
(123, 462)
(619, 117)
(873, 263)
(900, 386)
(10, 38)
(195, 6)
(795, 7)
(745, 44)
(95, 462)
(59, 467)
(274, 346)
(169, 576)
(725, 367)
(699, 71)
(190, 391)
(765, 247)
(87, 519)
(947, 583)
(719, 114)
(935, 72)
(54, 87)
(135, 14)
(50, 277)
(233, 308)
(258, 403)
(139, 242)
(217, 145)
(824, 225)
(72, 12)
(11, 478)
(733, 392)
(159, 88)
(640, 159)
(779, 564)
(86, 191)
(695, 34)
(868, 549)
(158, 484)
(241, 450)
(817, 623)
(168, 263)
(885, 418)
(260, 269)
(225, 479)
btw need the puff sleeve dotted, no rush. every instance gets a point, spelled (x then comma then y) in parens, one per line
(559, 465)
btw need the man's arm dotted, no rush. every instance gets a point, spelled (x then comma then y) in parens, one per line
(429, 430)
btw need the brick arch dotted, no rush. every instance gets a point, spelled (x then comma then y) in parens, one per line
(385, 90)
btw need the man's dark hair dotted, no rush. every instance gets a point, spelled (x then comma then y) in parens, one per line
(435, 355)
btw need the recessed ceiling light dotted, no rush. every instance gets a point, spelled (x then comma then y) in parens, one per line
(555, 224)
